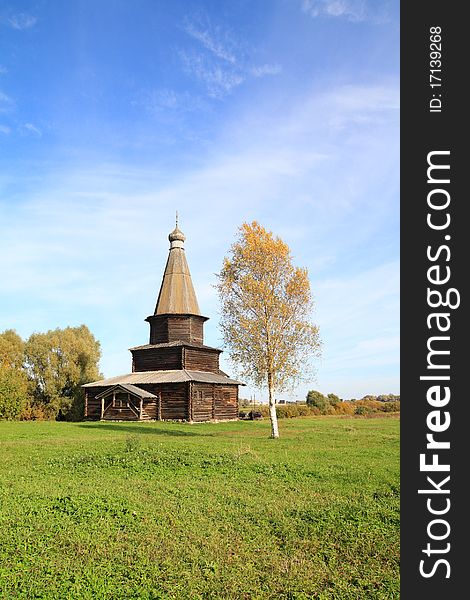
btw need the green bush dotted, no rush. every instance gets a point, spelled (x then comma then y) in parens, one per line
(13, 392)
(289, 411)
(391, 406)
(317, 399)
(333, 399)
(36, 411)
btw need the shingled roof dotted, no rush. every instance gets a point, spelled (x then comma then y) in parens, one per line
(174, 376)
(177, 295)
(127, 387)
(176, 343)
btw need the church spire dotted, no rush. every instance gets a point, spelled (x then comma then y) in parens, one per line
(177, 295)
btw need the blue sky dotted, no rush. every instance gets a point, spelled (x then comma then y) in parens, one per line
(114, 114)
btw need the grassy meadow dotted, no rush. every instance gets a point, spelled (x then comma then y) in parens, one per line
(174, 510)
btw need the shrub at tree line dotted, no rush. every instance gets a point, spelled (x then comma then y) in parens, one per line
(332, 404)
(319, 404)
(41, 376)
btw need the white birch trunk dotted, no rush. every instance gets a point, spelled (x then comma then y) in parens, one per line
(272, 409)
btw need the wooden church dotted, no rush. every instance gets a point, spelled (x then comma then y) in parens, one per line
(174, 376)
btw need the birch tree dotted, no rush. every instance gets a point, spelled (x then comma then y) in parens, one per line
(266, 309)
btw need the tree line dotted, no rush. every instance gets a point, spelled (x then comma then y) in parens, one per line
(333, 404)
(330, 404)
(40, 377)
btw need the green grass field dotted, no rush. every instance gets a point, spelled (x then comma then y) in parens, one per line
(174, 510)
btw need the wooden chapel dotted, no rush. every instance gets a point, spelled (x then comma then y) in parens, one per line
(174, 376)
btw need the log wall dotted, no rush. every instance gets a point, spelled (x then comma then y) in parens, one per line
(175, 401)
(202, 401)
(172, 328)
(179, 328)
(158, 330)
(152, 406)
(200, 359)
(157, 359)
(212, 401)
(226, 402)
(196, 331)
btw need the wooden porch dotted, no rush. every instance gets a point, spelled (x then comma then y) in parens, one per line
(125, 402)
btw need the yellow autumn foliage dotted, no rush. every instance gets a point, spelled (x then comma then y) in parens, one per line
(266, 310)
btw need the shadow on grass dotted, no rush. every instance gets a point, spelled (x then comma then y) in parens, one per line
(137, 428)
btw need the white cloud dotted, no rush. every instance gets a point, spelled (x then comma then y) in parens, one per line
(6, 103)
(358, 316)
(351, 98)
(4, 129)
(353, 10)
(266, 69)
(224, 50)
(5, 98)
(219, 80)
(221, 60)
(346, 301)
(166, 100)
(30, 129)
(163, 99)
(380, 344)
(22, 21)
